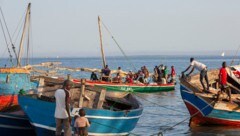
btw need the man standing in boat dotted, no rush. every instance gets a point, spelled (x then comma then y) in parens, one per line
(223, 81)
(203, 72)
(62, 113)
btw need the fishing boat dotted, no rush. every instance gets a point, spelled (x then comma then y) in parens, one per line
(133, 87)
(211, 108)
(108, 115)
(110, 86)
(15, 80)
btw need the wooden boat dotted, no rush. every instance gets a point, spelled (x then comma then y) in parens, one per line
(204, 108)
(134, 87)
(122, 87)
(15, 123)
(13, 80)
(108, 116)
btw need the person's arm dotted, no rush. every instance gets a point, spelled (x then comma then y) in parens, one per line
(75, 123)
(219, 76)
(67, 103)
(190, 71)
(87, 123)
(187, 69)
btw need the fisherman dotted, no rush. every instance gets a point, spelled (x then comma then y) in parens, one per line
(81, 124)
(173, 74)
(146, 74)
(120, 72)
(129, 77)
(140, 77)
(156, 74)
(166, 73)
(203, 72)
(117, 79)
(93, 76)
(106, 73)
(223, 81)
(62, 113)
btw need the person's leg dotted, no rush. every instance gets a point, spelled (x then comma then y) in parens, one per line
(67, 128)
(206, 79)
(201, 79)
(58, 127)
(229, 93)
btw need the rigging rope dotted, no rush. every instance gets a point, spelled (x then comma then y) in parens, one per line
(13, 47)
(19, 23)
(119, 47)
(159, 104)
(10, 55)
(235, 55)
(161, 132)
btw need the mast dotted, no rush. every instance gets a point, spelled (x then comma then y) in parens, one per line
(101, 42)
(28, 41)
(23, 35)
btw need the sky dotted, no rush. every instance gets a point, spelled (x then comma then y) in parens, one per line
(68, 28)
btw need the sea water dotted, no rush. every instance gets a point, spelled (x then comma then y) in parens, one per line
(162, 110)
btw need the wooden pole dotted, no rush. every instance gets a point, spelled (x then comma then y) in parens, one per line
(101, 42)
(40, 86)
(80, 104)
(101, 99)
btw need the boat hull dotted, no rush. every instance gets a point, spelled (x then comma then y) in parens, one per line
(12, 80)
(7, 101)
(206, 113)
(12, 124)
(139, 88)
(103, 122)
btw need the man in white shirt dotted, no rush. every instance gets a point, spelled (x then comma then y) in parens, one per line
(203, 72)
(62, 114)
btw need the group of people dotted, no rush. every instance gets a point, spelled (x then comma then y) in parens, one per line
(203, 75)
(62, 114)
(160, 75)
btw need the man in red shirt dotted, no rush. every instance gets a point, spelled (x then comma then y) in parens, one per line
(173, 74)
(223, 80)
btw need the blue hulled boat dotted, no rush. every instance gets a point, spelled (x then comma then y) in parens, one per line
(205, 108)
(111, 116)
(15, 124)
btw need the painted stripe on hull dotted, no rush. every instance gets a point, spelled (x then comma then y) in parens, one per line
(13, 117)
(113, 118)
(195, 100)
(202, 120)
(142, 88)
(15, 125)
(214, 116)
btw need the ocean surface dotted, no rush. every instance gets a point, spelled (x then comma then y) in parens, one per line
(163, 112)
